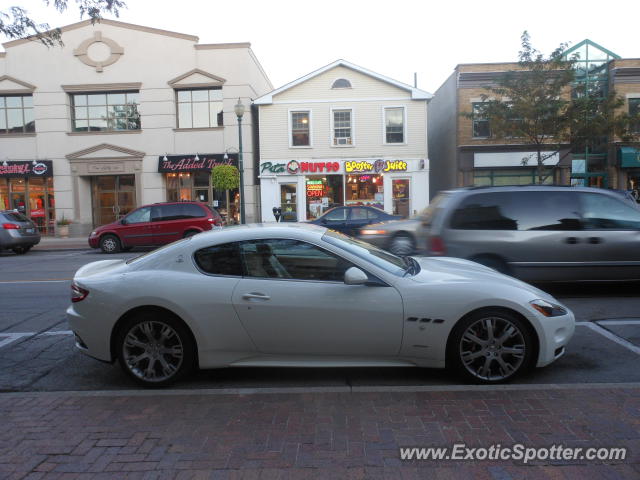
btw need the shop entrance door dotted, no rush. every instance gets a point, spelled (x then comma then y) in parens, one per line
(113, 196)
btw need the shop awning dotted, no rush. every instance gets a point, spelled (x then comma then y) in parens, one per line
(629, 157)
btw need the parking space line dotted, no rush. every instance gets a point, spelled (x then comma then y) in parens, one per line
(614, 338)
(56, 332)
(619, 322)
(11, 337)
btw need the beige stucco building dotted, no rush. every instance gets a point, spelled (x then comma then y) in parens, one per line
(122, 115)
(343, 135)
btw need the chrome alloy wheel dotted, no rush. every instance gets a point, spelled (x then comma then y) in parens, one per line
(401, 245)
(153, 351)
(492, 348)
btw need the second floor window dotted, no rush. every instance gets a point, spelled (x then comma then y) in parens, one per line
(300, 129)
(634, 111)
(105, 111)
(480, 123)
(16, 114)
(394, 125)
(200, 108)
(342, 127)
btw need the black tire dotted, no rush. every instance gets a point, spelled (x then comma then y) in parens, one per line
(133, 334)
(190, 233)
(494, 262)
(478, 363)
(21, 250)
(110, 244)
(402, 244)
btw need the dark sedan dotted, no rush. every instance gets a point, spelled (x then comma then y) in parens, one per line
(349, 220)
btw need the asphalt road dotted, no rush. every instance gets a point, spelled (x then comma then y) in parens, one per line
(37, 353)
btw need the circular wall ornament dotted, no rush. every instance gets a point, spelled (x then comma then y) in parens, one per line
(115, 51)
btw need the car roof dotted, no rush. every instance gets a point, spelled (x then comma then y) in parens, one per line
(519, 188)
(253, 231)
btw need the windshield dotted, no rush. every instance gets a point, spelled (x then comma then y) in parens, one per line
(366, 251)
(134, 259)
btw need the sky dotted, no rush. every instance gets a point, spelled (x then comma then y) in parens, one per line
(393, 38)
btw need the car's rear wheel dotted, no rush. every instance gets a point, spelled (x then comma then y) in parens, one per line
(190, 233)
(402, 244)
(110, 244)
(21, 250)
(491, 346)
(155, 350)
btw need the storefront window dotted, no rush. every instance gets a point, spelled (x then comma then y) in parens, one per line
(365, 190)
(31, 196)
(501, 177)
(323, 192)
(401, 197)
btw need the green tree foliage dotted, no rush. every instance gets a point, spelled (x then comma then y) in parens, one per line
(225, 177)
(15, 22)
(540, 104)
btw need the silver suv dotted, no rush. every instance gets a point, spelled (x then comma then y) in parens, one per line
(17, 232)
(536, 233)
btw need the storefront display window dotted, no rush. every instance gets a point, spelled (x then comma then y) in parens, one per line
(365, 190)
(323, 192)
(31, 196)
(501, 177)
(401, 197)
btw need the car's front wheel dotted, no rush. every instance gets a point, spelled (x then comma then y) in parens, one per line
(21, 250)
(155, 350)
(402, 245)
(110, 244)
(491, 346)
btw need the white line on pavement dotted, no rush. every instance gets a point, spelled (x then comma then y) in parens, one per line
(11, 337)
(614, 338)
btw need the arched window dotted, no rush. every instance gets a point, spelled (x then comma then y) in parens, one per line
(341, 83)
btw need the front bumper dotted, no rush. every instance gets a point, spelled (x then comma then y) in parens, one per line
(554, 335)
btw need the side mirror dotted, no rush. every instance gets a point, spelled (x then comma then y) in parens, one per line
(355, 276)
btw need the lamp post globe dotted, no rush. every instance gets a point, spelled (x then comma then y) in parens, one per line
(239, 110)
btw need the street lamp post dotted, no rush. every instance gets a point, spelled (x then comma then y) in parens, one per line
(239, 109)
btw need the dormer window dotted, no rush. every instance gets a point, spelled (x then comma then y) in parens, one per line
(341, 83)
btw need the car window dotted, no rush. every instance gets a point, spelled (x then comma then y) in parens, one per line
(428, 214)
(220, 259)
(381, 258)
(372, 214)
(359, 213)
(191, 210)
(293, 259)
(141, 215)
(339, 214)
(541, 210)
(601, 212)
(15, 217)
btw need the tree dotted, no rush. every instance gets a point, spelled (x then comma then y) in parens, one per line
(541, 104)
(225, 177)
(15, 22)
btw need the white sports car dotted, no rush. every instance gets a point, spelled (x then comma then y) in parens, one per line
(302, 295)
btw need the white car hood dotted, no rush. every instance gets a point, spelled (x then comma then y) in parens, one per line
(455, 270)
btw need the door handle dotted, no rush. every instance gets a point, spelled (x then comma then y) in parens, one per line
(256, 295)
(571, 240)
(595, 240)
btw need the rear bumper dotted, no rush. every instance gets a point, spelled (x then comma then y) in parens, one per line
(93, 334)
(15, 239)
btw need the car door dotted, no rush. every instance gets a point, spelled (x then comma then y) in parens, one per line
(336, 219)
(610, 240)
(166, 220)
(136, 229)
(358, 218)
(293, 300)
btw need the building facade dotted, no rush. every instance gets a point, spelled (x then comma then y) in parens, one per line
(343, 135)
(464, 152)
(122, 115)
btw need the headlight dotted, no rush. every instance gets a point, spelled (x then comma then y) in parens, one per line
(93, 234)
(548, 309)
(373, 232)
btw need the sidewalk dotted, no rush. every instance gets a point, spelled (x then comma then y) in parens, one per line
(57, 243)
(167, 434)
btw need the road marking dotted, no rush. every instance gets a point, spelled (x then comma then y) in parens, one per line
(37, 281)
(13, 336)
(614, 338)
(619, 322)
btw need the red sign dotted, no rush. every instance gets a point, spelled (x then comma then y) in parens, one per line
(37, 212)
(312, 167)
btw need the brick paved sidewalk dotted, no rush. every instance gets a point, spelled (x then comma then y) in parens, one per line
(311, 435)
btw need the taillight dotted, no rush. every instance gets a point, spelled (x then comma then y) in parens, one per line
(78, 293)
(10, 226)
(216, 221)
(436, 246)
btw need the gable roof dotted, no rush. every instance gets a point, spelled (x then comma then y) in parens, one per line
(588, 42)
(416, 93)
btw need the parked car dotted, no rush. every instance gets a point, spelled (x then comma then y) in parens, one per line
(305, 296)
(17, 232)
(535, 233)
(154, 225)
(351, 219)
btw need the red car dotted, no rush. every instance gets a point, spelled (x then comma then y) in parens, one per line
(154, 225)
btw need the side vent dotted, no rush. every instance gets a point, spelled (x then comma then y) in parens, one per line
(438, 320)
(412, 319)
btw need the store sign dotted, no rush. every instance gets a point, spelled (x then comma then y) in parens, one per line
(315, 188)
(356, 166)
(294, 167)
(188, 163)
(272, 167)
(42, 168)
